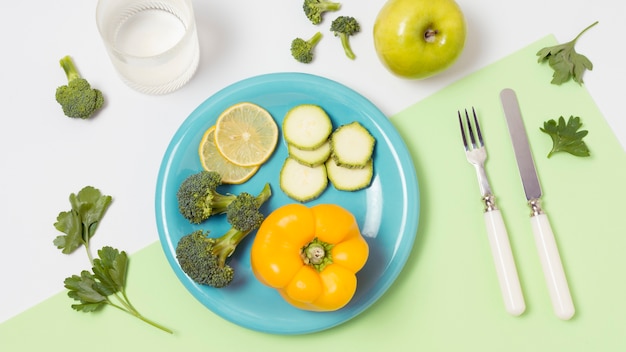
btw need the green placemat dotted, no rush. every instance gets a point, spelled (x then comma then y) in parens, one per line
(447, 298)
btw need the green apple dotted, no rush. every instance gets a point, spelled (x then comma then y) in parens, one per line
(419, 38)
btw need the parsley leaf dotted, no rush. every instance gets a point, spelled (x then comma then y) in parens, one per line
(566, 137)
(110, 268)
(80, 223)
(106, 283)
(565, 61)
(83, 288)
(108, 278)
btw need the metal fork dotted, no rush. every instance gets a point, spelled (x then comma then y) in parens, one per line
(498, 238)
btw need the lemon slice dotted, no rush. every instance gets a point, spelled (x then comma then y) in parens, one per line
(212, 160)
(246, 134)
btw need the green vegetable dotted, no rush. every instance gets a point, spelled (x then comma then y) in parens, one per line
(302, 182)
(77, 98)
(243, 213)
(307, 126)
(105, 284)
(349, 178)
(314, 9)
(352, 145)
(302, 50)
(565, 61)
(344, 27)
(566, 137)
(317, 154)
(203, 258)
(198, 198)
(312, 157)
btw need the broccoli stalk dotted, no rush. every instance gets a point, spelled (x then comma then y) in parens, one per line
(344, 27)
(198, 198)
(203, 258)
(314, 9)
(302, 50)
(77, 98)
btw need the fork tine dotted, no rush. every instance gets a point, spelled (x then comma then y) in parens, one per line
(471, 130)
(480, 136)
(463, 131)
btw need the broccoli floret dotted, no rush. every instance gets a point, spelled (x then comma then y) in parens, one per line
(302, 50)
(196, 259)
(198, 198)
(243, 213)
(344, 27)
(314, 9)
(77, 98)
(203, 258)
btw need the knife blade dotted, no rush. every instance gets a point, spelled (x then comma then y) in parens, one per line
(550, 258)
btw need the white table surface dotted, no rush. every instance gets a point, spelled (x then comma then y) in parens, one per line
(45, 156)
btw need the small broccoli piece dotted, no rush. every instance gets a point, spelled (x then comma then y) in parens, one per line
(196, 259)
(77, 98)
(314, 9)
(302, 50)
(203, 258)
(344, 27)
(243, 213)
(198, 197)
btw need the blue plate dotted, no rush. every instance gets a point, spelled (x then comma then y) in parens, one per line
(387, 211)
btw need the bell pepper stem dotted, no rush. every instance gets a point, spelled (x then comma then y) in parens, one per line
(317, 254)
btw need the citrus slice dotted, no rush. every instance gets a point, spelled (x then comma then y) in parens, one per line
(212, 160)
(246, 134)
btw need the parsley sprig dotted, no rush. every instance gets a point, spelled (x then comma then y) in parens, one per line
(565, 61)
(566, 137)
(105, 284)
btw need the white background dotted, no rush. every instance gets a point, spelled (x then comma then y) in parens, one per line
(45, 156)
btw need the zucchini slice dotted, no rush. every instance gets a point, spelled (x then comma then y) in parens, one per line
(349, 179)
(307, 126)
(352, 145)
(302, 183)
(313, 157)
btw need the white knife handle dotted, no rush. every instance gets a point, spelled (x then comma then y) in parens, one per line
(552, 267)
(505, 265)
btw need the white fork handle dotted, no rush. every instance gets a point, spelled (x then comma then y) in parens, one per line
(505, 265)
(552, 267)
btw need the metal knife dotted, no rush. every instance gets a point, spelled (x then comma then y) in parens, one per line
(544, 237)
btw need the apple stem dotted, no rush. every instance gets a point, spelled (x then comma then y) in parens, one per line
(430, 35)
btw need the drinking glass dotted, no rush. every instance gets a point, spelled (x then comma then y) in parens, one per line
(153, 44)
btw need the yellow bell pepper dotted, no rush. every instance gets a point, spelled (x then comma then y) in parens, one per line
(310, 255)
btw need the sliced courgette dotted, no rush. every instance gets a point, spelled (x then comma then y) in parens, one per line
(352, 145)
(313, 157)
(349, 179)
(307, 126)
(302, 183)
